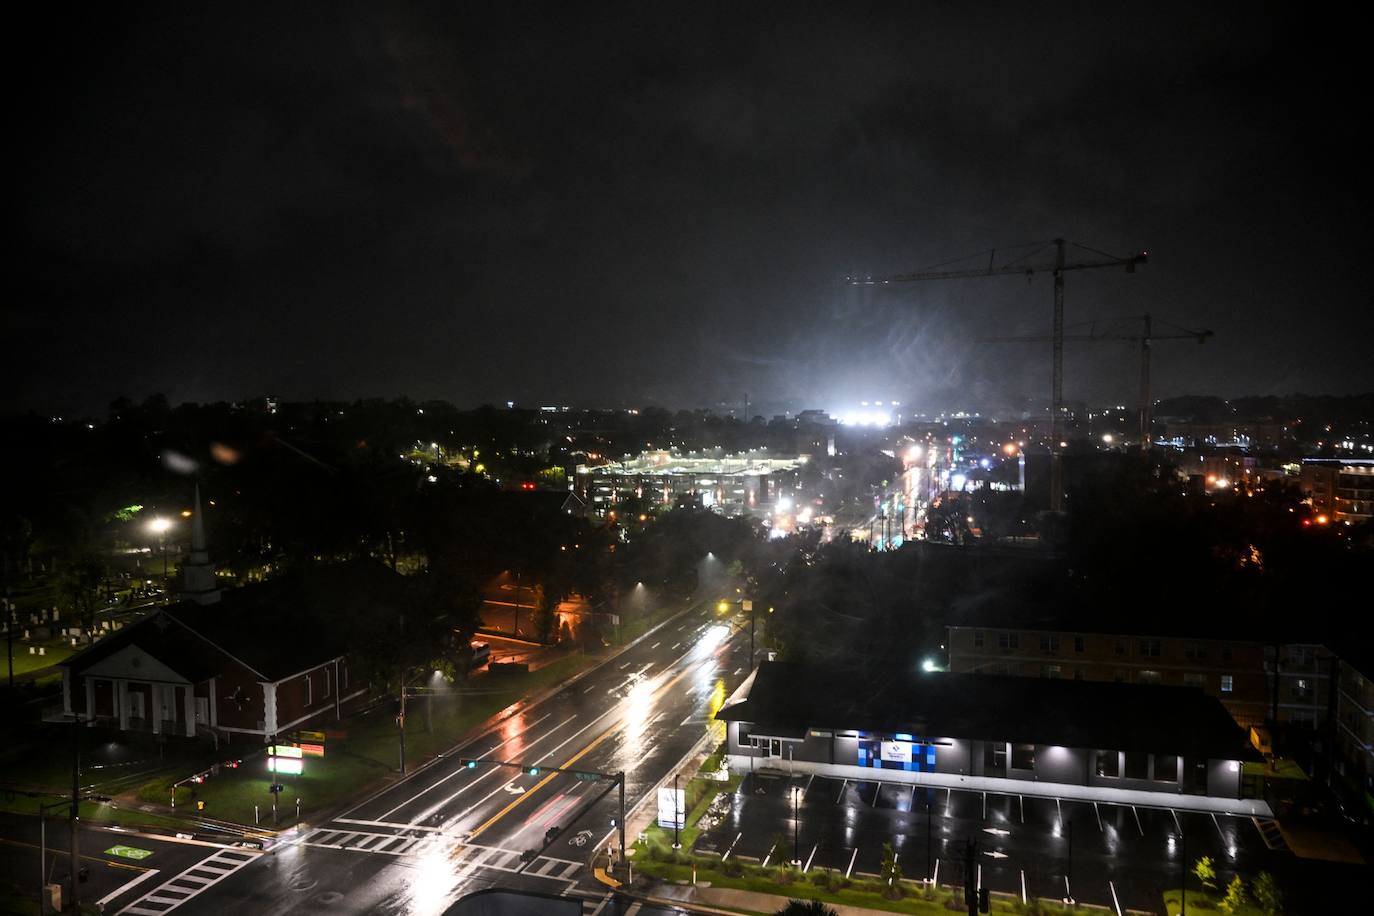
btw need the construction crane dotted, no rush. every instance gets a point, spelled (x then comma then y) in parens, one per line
(1025, 265)
(1146, 338)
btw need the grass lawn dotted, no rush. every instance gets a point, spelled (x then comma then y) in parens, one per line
(356, 762)
(1206, 902)
(24, 662)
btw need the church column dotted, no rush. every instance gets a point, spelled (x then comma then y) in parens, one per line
(190, 710)
(155, 706)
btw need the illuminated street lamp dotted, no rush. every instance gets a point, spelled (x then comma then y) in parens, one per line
(160, 526)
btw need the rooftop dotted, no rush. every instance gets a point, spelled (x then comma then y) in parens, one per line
(1082, 714)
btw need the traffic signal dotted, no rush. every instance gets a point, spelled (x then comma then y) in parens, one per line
(532, 771)
(200, 806)
(469, 763)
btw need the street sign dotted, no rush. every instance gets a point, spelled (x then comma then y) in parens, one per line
(313, 737)
(129, 852)
(671, 805)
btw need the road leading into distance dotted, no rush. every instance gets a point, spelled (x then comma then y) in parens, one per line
(447, 830)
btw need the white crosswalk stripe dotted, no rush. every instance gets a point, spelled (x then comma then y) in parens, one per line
(467, 855)
(175, 891)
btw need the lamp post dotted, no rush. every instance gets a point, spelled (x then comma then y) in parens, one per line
(677, 813)
(160, 526)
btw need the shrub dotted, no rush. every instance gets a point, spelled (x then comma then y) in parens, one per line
(1267, 895)
(732, 868)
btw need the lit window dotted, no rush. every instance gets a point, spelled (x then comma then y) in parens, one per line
(1226, 683)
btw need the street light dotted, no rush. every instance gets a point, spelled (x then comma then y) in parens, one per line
(160, 526)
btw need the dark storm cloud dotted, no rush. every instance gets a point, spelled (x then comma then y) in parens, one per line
(624, 204)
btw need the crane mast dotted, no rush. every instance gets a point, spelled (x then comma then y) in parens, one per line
(1059, 267)
(1146, 338)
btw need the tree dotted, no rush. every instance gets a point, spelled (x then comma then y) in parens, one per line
(1206, 872)
(79, 587)
(891, 873)
(807, 908)
(1235, 896)
(1267, 894)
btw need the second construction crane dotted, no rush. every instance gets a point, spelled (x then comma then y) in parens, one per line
(1146, 338)
(1086, 259)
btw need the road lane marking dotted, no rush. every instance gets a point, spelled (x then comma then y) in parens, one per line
(732, 846)
(602, 905)
(686, 720)
(626, 665)
(1116, 903)
(737, 672)
(615, 727)
(222, 864)
(385, 814)
(675, 645)
(1137, 820)
(591, 688)
(681, 628)
(655, 646)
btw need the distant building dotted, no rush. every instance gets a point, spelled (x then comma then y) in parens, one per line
(1236, 672)
(1128, 743)
(744, 484)
(1340, 488)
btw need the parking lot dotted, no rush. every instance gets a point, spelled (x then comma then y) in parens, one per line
(1119, 856)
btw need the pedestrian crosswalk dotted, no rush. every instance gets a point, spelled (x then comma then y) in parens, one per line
(467, 855)
(173, 893)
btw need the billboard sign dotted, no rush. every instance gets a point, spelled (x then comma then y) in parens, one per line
(671, 804)
(896, 751)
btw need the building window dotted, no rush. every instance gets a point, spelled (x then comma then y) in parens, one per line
(328, 686)
(1296, 655)
(1137, 765)
(1078, 644)
(1149, 648)
(1007, 641)
(1049, 642)
(978, 639)
(1227, 683)
(1194, 650)
(1193, 679)
(1023, 756)
(1108, 764)
(1166, 768)
(1120, 647)
(309, 691)
(1050, 671)
(1147, 676)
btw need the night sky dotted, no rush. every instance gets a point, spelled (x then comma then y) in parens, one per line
(658, 203)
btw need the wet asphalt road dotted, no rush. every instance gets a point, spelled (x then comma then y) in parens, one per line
(447, 830)
(1122, 856)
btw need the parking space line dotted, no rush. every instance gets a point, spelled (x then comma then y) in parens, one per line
(626, 665)
(878, 790)
(1023, 888)
(732, 846)
(676, 644)
(1219, 831)
(1177, 825)
(985, 807)
(948, 796)
(1023, 808)
(737, 671)
(808, 786)
(843, 785)
(978, 877)
(852, 856)
(1116, 903)
(911, 802)
(767, 857)
(807, 867)
(1060, 812)
(590, 688)
(1137, 820)
(1098, 812)
(1068, 894)
(935, 878)
(655, 646)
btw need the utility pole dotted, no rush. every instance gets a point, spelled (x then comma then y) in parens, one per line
(1022, 266)
(401, 725)
(1182, 873)
(1068, 875)
(9, 628)
(76, 815)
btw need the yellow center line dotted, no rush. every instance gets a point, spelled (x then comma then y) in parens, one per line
(571, 760)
